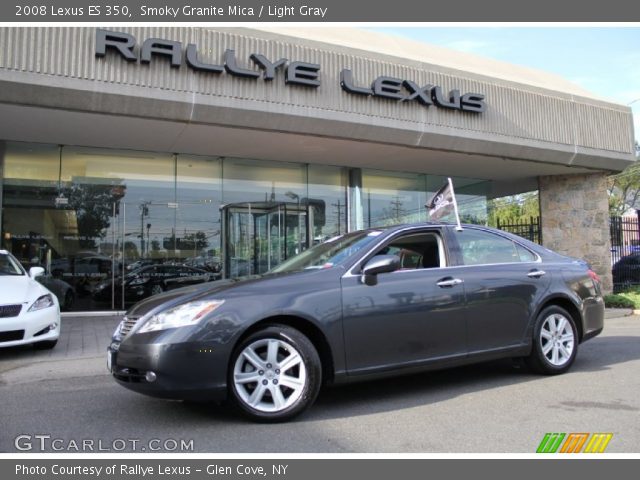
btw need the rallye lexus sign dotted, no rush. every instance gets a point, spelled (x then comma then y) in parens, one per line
(295, 73)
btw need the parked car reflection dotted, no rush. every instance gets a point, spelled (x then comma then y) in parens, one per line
(151, 280)
(61, 289)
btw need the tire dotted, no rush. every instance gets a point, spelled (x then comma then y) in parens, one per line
(68, 301)
(555, 342)
(46, 345)
(259, 387)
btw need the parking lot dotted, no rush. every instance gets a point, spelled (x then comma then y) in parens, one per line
(66, 394)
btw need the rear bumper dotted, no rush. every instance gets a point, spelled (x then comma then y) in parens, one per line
(593, 318)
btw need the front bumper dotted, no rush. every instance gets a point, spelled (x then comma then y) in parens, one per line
(188, 370)
(35, 325)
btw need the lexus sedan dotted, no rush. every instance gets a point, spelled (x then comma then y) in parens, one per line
(29, 313)
(362, 305)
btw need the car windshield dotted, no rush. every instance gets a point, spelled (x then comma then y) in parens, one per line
(9, 266)
(330, 253)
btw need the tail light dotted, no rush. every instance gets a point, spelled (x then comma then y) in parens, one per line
(596, 279)
(594, 276)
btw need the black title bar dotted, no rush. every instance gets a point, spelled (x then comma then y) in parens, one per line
(194, 11)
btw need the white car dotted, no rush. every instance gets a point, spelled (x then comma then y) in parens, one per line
(29, 313)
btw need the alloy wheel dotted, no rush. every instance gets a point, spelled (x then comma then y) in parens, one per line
(557, 339)
(269, 375)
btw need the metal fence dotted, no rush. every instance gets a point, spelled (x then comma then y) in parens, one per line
(625, 245)
(625, 252)
(530, 230)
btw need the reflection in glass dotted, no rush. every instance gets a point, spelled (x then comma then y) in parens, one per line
(198, 229)
(114, 226)
(393, 198)
(327, 201)
(265, 217)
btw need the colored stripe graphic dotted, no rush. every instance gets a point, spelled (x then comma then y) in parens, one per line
(550, 443)
(574, 443)
(598, 443)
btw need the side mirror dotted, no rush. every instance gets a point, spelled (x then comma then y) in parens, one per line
(36, 272)
(379, 264)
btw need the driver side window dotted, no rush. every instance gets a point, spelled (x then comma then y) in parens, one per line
(416, 251)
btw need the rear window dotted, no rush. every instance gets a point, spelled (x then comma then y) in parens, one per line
(482, 248)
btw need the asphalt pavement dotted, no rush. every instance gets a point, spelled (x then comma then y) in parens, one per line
(64, 400)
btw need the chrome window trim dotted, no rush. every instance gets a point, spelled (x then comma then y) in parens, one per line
(499, 234)
(350, 274)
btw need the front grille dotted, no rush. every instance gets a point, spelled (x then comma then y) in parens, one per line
(11, 336)
(10, 310)
(127, 324)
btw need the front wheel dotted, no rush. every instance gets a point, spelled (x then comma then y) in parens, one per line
(275, 374)
(555, 342)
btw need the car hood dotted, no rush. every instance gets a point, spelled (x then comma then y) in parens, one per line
(148, 304)
(201, 290)
(16, 289)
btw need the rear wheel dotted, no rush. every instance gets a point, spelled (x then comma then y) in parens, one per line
(275, 374)
(555, 342)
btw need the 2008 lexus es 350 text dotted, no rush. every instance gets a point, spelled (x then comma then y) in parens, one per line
(362, 305)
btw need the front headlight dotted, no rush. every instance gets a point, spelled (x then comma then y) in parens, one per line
(180, 316)
(44, 301)
(139, 281)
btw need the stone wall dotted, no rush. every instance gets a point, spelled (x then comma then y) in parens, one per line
(575, 219)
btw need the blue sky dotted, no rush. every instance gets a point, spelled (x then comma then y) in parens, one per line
(603, 60)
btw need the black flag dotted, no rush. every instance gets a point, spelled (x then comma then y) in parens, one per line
(444, 203)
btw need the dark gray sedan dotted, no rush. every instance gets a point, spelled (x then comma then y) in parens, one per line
(362, 305)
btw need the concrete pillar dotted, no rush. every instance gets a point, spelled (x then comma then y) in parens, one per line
(574, 212)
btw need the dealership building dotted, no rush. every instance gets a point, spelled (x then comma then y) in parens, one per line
(228, 150)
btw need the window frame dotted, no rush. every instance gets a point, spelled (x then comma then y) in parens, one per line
(456, 249)
(356, 269)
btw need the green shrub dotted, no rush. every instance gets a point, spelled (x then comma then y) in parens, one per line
(627, 299)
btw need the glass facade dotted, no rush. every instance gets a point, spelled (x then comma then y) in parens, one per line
(112, 227)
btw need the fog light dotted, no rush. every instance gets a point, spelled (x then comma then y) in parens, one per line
(150, 377)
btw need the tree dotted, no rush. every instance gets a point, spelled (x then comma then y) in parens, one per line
(624, 188)
(520, 207)
(93, 206)
(197, 239)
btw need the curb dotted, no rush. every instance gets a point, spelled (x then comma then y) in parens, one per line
(610, 313)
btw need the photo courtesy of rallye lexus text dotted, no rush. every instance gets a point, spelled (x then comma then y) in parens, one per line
(363, 305)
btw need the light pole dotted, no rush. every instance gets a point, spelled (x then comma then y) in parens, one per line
(144, 212)
(148, 239)
(296, 197)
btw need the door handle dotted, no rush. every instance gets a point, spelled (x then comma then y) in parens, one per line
(449, 282)
(536, 273)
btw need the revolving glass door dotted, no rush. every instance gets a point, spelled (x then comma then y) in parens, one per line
(258, 236)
